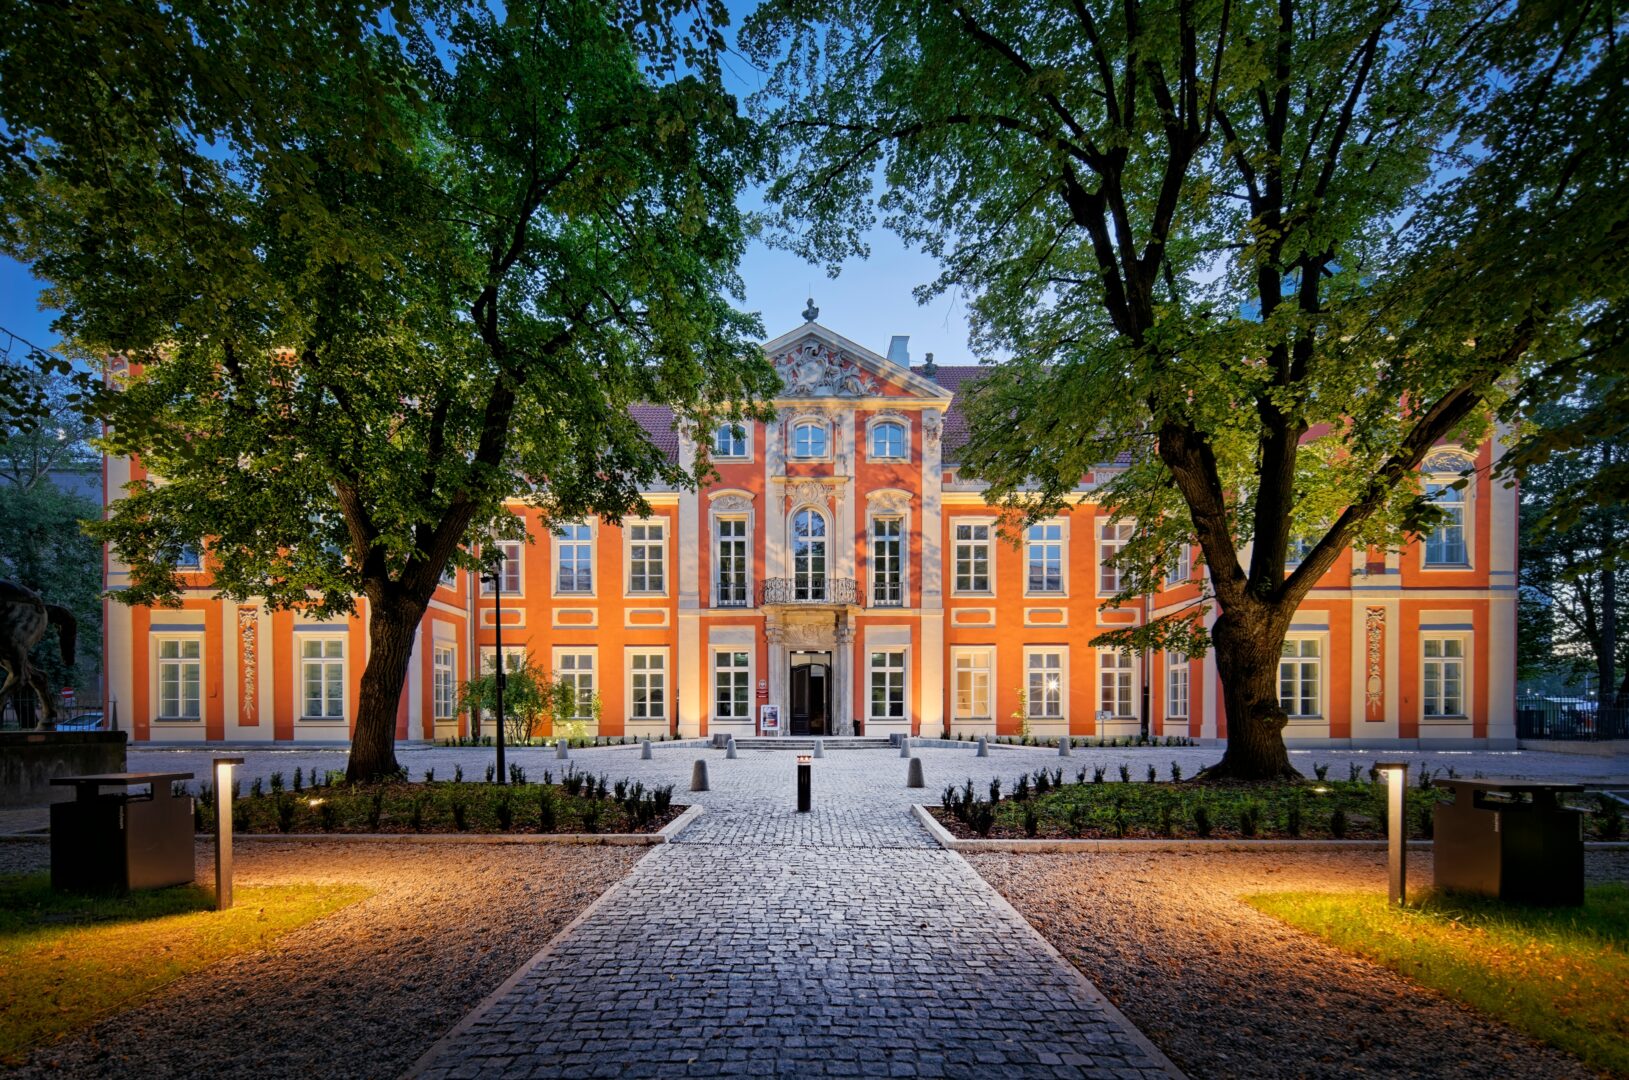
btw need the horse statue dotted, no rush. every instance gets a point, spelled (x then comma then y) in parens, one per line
(24, 615)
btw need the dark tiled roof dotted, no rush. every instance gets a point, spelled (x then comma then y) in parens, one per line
(956, 380)
(657, 420)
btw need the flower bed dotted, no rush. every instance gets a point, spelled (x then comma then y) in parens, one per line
(579, 803)
(1042, 806)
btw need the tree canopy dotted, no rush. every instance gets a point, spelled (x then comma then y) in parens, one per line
(1274, 252)
(370, 270)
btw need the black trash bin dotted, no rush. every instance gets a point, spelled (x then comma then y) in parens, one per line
(1510, 839)
(114, 842)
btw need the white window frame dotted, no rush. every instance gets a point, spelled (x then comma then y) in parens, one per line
(1036, 704)
(745, 540)
(902, 544)
(514, 566)
(1428, 637)
(1061, 542)
(721, 454)
(560, 543)
(574, 673)
(738, 673)
(875, 426)
(1301, 661)
(1460, 499)
(825, 541)
(443, 681)
(663, 671)
(1296, 551)
(160, 662)
(1178, 686)
(190, 558)
(896, 678)
(1181, 571)
(974, 660)
(630, 541)
(956, 545)
(809, 423)
(1109, 546)
(343, 660)
(1123, 673)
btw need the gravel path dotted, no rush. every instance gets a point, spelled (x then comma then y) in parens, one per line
(1226, 991)
(361, 993)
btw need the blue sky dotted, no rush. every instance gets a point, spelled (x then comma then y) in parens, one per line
(868, 302)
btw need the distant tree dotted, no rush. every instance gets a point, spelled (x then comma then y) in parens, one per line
(527, 698)
(1274, 252)
(377, 267)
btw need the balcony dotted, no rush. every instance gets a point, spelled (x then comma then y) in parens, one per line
(819, 591)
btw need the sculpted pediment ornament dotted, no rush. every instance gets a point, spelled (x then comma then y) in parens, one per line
(1447, 461)
(731, 504)
(889, 499)
(814, 369)
(808, 491)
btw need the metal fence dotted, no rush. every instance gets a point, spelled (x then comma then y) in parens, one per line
(23, 712)
(1570, 720)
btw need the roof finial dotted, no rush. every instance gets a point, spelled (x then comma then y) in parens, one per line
(930, 369)
(811, 313)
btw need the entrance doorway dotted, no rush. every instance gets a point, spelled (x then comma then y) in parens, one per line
(811, 693)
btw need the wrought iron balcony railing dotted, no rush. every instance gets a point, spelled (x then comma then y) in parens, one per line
(813, 590)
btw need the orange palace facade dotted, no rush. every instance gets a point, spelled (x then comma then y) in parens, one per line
(841, 574)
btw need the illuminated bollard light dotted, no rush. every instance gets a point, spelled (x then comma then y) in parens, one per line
(913, 775)
(805, 783)
(698, 776)
(644, 751)
(984, 747)
(1396, 773)
(1065, 747)
(223, 831)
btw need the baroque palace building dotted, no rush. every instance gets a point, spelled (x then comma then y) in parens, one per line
(840, 573)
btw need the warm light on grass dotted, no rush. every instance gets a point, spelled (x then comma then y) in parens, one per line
(68, 960)
(1556, 973)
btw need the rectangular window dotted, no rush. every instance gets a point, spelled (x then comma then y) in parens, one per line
(1045, 684)
(732, 562)
(647, 558)
(189, 558)
(1176, 685)
(972, 558)
(180, 677)
(576, 669)
(887, 561)
(511, 570)
(444, 682)
(888, 684)
(649, 685)
(574, 549)
(972, 684)
(322, 677)
(1182, 569)
(1444, 676)
(1300, 677)
(1044, 555)
(732, 685)
(1297, 551)
(730, 440)
(1446, 544)
(1112, 540)
(1114, 682)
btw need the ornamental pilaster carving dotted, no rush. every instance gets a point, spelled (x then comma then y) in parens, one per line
(248, 633)
(933, 426)
(1374, 685)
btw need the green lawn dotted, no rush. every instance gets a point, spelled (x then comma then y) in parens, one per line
(68, 960)
(1556, 973)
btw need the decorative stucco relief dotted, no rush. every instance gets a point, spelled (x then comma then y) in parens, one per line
(814, 369)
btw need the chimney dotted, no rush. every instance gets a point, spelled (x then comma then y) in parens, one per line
(899, 351)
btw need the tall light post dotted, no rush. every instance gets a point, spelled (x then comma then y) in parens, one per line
(496, 577)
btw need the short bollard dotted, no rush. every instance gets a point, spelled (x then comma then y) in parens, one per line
(1396, 774)
(913, 775)
(644, 751)
(560, 750)
(223, 831)
(905, 746)
(1065, 749)
(984, 747)
(698, 776)
(805, 783)
(729, 748)
(820, 748)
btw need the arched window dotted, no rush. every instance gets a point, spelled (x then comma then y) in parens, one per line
(730, 440)
(809, 440)
(888, 440)
(808, 555)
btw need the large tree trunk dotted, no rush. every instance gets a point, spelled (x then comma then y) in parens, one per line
(392, 622)
(1246, 646)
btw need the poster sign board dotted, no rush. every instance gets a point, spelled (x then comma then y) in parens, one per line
(769, 719)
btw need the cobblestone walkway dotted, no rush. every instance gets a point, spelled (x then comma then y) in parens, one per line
(772, 943)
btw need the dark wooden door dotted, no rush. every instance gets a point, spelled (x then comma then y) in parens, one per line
(811, 699)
